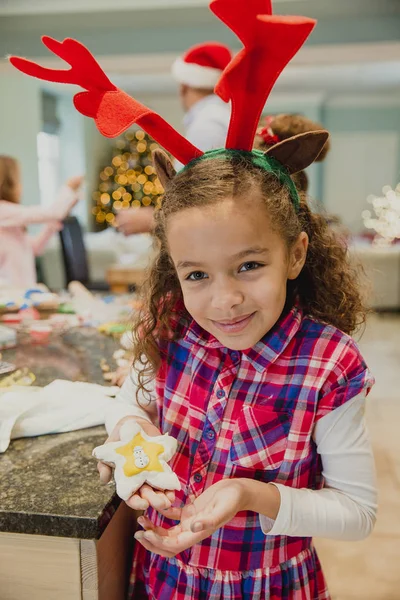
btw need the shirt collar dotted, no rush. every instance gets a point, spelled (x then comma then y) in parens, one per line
(266, 351)
(192, 113)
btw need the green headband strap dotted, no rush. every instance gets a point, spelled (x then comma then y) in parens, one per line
(259, 159)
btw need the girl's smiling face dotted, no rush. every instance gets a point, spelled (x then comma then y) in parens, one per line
(233, 268)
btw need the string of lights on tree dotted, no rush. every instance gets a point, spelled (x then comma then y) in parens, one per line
(129, 181)
(386, 222)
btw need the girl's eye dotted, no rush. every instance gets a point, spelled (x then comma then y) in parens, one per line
(196, 276)
(250, 266)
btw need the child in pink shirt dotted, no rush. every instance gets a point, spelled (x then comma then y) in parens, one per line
(17, 248)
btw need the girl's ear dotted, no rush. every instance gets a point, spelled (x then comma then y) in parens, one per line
(164, 167)
(300, 151)
(298, 256)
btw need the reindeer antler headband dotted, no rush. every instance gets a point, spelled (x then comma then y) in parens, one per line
(269, 41)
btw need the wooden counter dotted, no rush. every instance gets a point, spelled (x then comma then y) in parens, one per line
(63, 535)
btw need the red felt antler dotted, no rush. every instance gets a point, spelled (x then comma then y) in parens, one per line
(113, 110)
(270, 42)
(84, 71)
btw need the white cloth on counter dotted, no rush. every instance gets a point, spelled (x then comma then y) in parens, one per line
(59, 407)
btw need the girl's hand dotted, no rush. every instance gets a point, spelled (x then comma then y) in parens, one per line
(75, 182)
(145, 496)
(55, 226)
(119, 376)
(211, 510)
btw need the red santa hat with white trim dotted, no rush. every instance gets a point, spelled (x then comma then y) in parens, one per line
(202, 65)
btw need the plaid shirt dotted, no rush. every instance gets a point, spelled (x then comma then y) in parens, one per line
(251, 414)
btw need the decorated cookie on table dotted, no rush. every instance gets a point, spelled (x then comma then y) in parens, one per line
(139, 458)
(34, 297)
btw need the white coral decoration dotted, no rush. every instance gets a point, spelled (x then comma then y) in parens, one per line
(162, 479)
(387, 211)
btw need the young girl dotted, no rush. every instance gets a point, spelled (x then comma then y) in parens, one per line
(242, 350)
(258, 380)
(17, 248)
(275, 128)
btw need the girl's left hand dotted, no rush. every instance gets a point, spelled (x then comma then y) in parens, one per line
(217, 505)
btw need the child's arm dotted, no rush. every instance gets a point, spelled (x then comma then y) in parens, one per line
(127, 405)
(40, 241)
(144, 412)
(16, 215)
(346, 507)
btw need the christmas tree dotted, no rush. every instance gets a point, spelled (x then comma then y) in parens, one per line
(130, 179)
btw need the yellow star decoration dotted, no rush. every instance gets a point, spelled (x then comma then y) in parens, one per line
(138, 458)
(150, 448)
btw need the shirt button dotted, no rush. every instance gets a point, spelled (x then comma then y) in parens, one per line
(220, 394)
(235, 356)
(197, 477)
(210, 434)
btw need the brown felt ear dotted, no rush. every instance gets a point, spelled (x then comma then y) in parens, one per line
(164, 167)
(300, 151)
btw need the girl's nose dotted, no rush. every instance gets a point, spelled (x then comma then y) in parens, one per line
(226, 296)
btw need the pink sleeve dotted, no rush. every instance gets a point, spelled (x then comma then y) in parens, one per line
(40, 241)
(17, 215)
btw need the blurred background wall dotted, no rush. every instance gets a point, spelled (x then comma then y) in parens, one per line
(347, 76)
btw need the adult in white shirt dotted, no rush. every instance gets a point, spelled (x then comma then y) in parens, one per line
(206, 119)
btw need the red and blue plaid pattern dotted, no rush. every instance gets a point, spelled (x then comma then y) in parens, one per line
(300, 578)
(248, 414)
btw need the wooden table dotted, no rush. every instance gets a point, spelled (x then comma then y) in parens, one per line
(121, 277)
(63, 536)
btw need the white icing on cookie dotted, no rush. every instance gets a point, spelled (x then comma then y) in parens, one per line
(139, 458)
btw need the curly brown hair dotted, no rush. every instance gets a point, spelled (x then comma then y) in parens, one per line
(286, 126)
(9, 179)
(327, 288)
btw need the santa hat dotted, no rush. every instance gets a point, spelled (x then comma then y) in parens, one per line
(202, 65)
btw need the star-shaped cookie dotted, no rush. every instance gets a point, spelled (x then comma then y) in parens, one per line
(139, 458)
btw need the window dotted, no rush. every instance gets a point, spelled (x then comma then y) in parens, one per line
(48, 146)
